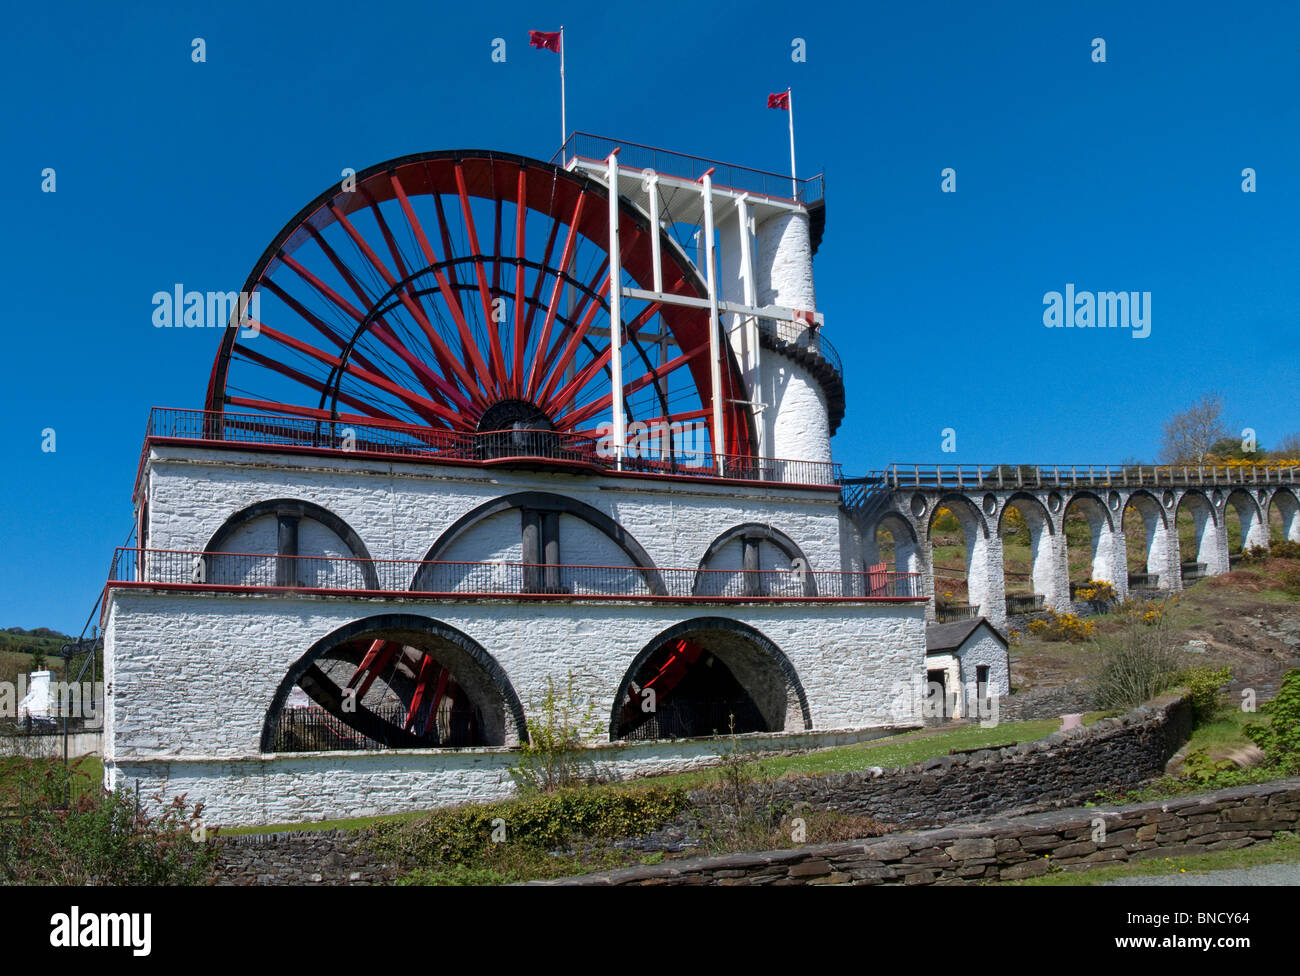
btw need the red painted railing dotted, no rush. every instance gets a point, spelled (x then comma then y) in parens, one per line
(259, 571)
(652, 453)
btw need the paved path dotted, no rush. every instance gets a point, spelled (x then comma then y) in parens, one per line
(1261, 874)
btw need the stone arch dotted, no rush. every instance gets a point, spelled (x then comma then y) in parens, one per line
(758, 665)
(1287, 505)
(1043, 555)
(963, 508)
(1250, 517)
(759, 584)
(289, 513)
(1159, 540)
(907, 550)
(474, 669)
(1107, 559)
(547, 502)
(1209, 543)
(982, 589)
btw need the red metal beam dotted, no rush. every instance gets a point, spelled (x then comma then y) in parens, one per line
(570, 349)
(570, 420)
(373, 412)
(469, 350)
(584, 375)
(498, 373)
(521, 212)
(422, 405)
(422, 682)
(566, 256)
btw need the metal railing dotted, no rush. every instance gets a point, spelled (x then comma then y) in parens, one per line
(1074, 475)
(654, 455)
(635, 155)
(1025, 602)
(802, 336)
(335, 573)
(953, 612)
(313, 729)
(685, 719)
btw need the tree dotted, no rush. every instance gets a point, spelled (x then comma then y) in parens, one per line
(1190, 435)
(1288, 447)
(1229, 448)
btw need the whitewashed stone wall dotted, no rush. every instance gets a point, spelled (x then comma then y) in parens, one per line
(795, 420)
(306, 787)
(400, 510)
(190, 678)
(983, 649)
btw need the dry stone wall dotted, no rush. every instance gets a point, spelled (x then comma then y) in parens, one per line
(1000, 850)
(1062, 769)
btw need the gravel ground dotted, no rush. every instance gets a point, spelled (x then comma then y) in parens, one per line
(1262, 874)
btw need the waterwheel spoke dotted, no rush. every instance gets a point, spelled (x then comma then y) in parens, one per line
(566, 256)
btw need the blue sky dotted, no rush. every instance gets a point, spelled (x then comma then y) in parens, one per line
(1117, 176)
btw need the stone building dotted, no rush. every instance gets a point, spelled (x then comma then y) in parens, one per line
(487, 429)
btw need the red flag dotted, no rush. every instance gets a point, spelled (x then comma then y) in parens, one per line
(550, 40)
(779, 100)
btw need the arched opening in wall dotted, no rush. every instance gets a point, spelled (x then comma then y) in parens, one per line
(1091, 539)
(537, 542)
(1243, 519)
(958, 537)
(1026, 533)
(754, 559)
(896, 545)
(1197, 524)
(396, 681)
(1147, 541)
(288, 542)
(1284, 516)
(708, 677)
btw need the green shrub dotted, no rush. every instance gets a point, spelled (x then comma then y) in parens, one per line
(1290, 581)
(1280, 738)
(1203, 686)
(1284, 549)
(1209, 773)
(100, 838)
(467, 835)
(1141, 664)
(1255, 554)
(553, 757)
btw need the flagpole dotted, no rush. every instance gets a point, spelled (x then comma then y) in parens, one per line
(794, 184)
(564, 126)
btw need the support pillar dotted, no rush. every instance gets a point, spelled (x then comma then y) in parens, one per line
(287, 518)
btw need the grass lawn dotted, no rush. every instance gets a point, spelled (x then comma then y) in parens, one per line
(1284, 849)
(89, 775)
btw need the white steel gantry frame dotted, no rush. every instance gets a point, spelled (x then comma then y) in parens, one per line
(747, 311)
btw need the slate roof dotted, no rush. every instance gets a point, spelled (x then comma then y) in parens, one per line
(949, 637)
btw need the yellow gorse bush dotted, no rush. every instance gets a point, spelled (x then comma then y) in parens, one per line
(1096, 591)
(1062, 627)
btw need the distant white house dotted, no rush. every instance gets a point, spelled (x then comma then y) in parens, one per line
(965, 655)
(36, 703)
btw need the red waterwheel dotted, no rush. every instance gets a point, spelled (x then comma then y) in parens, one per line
(468, 291)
